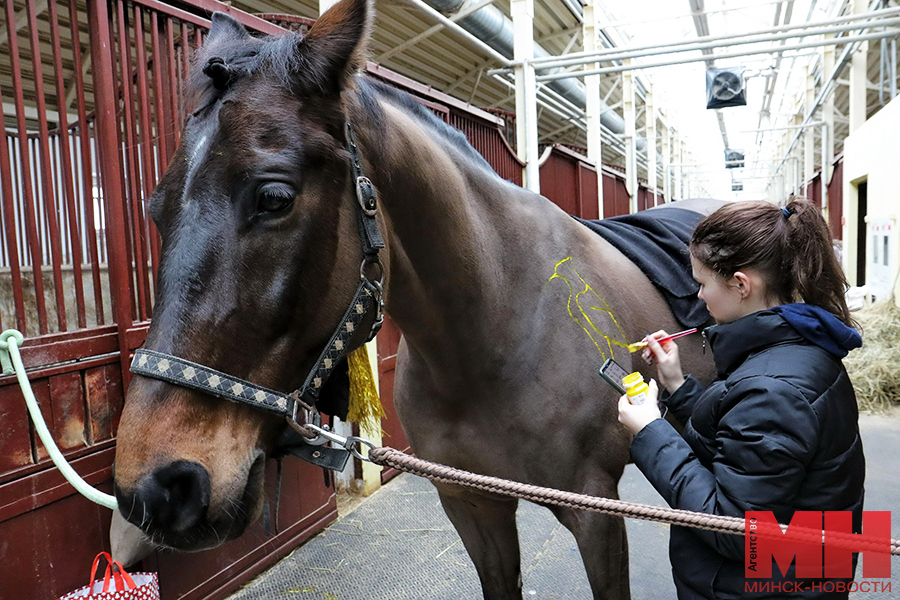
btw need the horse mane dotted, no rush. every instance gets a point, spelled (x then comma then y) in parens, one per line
(368, 89)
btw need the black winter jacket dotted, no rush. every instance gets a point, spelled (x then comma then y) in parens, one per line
(777, 430)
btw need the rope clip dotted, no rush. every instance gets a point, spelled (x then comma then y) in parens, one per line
(351, 443)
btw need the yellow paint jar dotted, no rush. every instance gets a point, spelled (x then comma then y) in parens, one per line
(635, 388)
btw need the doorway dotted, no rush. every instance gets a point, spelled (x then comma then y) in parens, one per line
(861, 210)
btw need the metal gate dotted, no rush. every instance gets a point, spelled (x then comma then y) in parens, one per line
(91, 99)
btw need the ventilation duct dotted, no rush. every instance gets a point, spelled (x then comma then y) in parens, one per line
(496, 30)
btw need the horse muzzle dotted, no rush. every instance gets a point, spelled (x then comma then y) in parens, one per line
(172, 506)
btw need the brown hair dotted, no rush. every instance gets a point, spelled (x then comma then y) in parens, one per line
(792, 252)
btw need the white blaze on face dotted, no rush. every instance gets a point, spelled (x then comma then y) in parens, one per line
(198, 154)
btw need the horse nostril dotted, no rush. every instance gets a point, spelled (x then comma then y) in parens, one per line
(175, 497)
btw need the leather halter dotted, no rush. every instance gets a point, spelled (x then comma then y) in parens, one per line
(298, 407)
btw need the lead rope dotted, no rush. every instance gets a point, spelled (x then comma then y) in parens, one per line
(390, 457)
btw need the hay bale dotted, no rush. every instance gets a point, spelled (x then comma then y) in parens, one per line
(874, 369)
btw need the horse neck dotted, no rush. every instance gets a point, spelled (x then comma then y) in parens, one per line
(441, 214)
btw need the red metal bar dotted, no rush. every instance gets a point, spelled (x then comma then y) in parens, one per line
(9, 225)
(157, 65)
(47, 169)
(25, 164)
(127, 135)
(129, 132)
(185, 54)
(170, 91)
(250, 21)
(68, 186)
(147, 176)
(174, 93)
(168, 9)
(105, 103)
(164, 127)
(87, 173)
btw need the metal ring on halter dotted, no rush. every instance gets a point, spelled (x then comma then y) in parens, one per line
(353, 443)
(362, 272)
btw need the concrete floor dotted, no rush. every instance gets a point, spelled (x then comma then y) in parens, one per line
(399, 545)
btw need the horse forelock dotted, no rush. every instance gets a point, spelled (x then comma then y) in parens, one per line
(243, 57)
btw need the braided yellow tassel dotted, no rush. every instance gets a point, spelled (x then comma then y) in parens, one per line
(365, 406)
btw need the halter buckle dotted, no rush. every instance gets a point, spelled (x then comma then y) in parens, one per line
(303, 417)
(366, 195)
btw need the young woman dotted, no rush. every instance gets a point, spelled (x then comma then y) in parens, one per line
(778, 429)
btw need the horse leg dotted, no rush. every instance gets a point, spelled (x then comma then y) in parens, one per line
(603, 544)
(487, 527)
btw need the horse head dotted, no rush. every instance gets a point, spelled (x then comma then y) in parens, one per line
(260, 259)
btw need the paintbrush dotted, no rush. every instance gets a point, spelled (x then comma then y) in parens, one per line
(643, 343)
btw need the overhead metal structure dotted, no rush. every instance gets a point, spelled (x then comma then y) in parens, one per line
(701, 24)
(492, 27)
(828, 85)
(455, 46)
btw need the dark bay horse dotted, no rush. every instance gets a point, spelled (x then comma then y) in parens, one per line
(507, 305)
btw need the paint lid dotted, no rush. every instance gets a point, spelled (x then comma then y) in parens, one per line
(632, 379)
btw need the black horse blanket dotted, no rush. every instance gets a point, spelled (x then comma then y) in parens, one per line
(656, 241)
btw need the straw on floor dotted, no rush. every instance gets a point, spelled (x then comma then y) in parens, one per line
(874, 369)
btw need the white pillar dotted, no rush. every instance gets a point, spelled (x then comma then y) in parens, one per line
(677, 159)
(809, 138)
(667, 158)
(325, 5)
(650, 116)
(798, 152)
(526, 92)
(689, 179)
(828, 129)
(858, 77)
(592, 91)
(631, 185)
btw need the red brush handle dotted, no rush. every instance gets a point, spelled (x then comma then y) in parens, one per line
(677, 335)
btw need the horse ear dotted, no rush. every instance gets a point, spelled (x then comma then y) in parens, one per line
(335, 46)
(225, 26)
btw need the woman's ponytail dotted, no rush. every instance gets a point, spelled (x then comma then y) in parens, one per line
(816, 275)
(789, 246)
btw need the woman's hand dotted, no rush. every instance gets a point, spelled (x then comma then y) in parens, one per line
(636, 416)
(666, 356)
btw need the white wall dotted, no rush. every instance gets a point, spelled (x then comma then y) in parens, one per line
(872, 154)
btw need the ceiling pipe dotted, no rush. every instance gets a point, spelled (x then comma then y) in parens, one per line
(845, 41)
(495, 29)
(739, 40)
(619, 53)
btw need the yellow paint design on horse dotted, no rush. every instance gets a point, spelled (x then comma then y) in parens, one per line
(582, 316)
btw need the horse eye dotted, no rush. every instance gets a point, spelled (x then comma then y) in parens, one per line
(274, 197)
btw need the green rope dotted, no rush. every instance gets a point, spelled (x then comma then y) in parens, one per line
(10, 340)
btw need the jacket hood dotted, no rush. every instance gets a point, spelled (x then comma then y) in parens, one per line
(820, 327)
